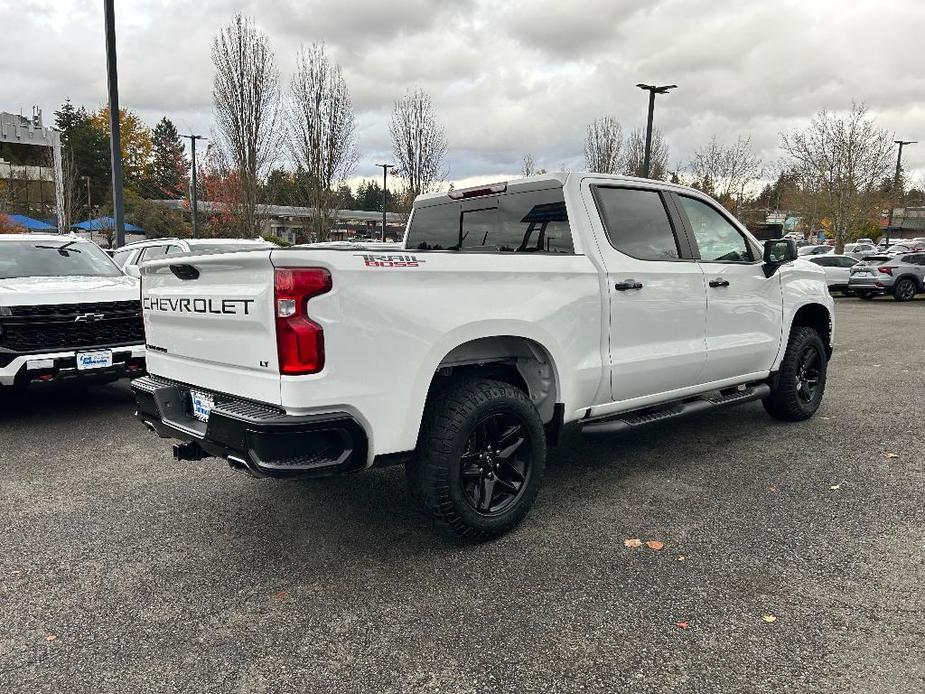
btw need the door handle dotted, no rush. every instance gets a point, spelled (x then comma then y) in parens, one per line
(719, 282)
(628, 284)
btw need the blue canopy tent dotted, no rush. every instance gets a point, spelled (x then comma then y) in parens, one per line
(30, 224)
(105, 224)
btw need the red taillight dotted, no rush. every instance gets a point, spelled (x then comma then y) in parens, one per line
(299, 341)
(886, 270)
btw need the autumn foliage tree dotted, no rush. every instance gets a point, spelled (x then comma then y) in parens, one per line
(7, 226)
(135, 143)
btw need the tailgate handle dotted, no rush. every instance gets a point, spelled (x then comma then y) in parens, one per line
(185, 272)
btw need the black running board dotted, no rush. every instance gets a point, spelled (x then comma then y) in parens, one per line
(636, 419)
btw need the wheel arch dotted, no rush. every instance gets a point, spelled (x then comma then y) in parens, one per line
(819, 318)
(516, 359)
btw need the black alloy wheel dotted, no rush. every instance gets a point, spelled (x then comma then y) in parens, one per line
(496, 464)
(480, 458)
(904, 290)
(808, 371)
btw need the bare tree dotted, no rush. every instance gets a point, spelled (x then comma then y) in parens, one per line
(528, 166)
(634, 164)
(70, 187)
(245, 97)
(726, 171)
(604, 145)
(418, 142)
(841, 160)
(322, 133)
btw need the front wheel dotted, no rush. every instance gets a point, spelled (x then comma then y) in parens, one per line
(800, 382)
(904, 290)
(480, 458)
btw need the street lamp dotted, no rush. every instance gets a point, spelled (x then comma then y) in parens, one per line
(385, 173)
(193, 185)
(899, 163)
(653, 90)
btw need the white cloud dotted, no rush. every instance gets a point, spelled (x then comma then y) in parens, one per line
(506, 78)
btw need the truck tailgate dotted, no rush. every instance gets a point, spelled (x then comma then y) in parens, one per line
(209, 322)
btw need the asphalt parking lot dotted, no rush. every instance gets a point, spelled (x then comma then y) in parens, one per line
(122, 570)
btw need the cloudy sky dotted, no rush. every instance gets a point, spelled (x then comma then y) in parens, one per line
(507, 77)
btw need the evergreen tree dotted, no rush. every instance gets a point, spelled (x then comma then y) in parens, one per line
(87, 147)
(169, 167)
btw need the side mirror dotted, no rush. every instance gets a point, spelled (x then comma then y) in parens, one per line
(133, 271)
(780, 251)
(777, 252)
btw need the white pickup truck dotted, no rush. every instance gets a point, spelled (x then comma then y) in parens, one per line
(66, 312)
(510, 310)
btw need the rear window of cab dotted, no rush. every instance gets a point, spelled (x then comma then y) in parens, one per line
(530, 222)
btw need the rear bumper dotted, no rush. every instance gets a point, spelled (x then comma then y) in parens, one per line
(56, 367)
(259, 438)
(871, 284)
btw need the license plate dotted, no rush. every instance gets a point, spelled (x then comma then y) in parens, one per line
(100, 359)
(863, 274)
(202, 404)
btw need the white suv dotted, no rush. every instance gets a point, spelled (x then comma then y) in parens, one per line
(130, 256)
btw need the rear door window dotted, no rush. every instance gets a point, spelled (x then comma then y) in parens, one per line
(637, 223)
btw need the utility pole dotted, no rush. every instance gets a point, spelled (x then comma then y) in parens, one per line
(115, 139)
(192, 141)
(385, 173)
(899, 164)
(653, 90)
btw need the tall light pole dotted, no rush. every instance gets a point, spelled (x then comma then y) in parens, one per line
(385, 174)
(653, 90)
(115, 139)
(899, 165)
(89, 206)
(192, 193)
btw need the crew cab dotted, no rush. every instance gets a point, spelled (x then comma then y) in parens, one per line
(510, 311)
(66, 312)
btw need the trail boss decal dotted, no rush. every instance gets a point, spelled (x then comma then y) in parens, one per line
(226, 307)
(389, 261)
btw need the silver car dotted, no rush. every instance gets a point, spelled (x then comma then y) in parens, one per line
(901, 275)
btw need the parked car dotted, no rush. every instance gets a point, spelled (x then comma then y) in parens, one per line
(511, 310)
(66, 312)
(902, 276)
(131, 255)
(859, 249)
(817, 249)
(837, 269)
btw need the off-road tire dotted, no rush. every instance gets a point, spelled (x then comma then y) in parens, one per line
(904, 289)
(435, 474)
(788, 400)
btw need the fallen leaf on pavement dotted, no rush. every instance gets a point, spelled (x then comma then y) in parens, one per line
(835, 487)
(281, 595)
(772, 488)
(50, 637)
(682, 625)
(655, 544)
(891, 455)
(768, 618)
(681, 557)
(633, 542)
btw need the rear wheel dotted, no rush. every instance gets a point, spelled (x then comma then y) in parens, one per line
(904, 290)
(480, 458)
(800, 383)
